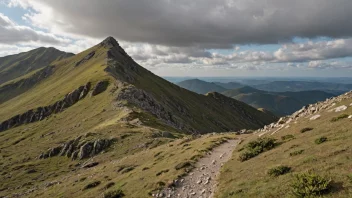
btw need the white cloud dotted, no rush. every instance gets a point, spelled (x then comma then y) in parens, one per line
(11, 33)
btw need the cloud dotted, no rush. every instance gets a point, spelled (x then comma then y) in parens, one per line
(204, 23)
(322, 50)
(160, 33)
(328, 65)
(11, 33)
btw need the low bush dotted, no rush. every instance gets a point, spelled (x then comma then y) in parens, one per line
(109, 185)
(279, 170)
(294, 153)
(321, 140)
(91, 185)
(183, 165)
(256, 147)
(306, 129)
(310, 184)
(114, 194)
(162, 172)
(287, 137)
(340, 117)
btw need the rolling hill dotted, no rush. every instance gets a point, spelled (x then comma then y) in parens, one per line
(280, 103)
(294, 86)
(201, 87)
(14, 66)
(97, 123)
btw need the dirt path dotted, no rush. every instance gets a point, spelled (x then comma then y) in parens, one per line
(201, 182)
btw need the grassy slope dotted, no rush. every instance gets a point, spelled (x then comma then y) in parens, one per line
(331, 159)
(66, 78)
(14, 66)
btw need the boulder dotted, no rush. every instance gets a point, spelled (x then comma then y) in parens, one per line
(100, 87)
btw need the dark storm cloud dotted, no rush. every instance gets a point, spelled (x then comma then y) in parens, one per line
(203, 23)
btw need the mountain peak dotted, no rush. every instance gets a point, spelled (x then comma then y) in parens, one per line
(110, 42)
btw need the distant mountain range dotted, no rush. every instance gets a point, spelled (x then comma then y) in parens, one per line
(282, 86)
(280, 103)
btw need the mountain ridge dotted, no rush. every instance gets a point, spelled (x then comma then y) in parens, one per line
(14, 66)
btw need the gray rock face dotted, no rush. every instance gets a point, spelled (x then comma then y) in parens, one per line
(85, 91)
(78, 148)
(147, 102)
(100, 87)
(41, 113)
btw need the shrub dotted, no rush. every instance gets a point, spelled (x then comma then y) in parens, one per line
(91, 185)
(256, 147)
(114, 194)
(125, 169)
(343, 116)
(321, 140)
(306, 129)
(280, 170)
(183, 165)
(287, 137)
(109, 185)
(310, 184)
(161, 172)
(294, 153)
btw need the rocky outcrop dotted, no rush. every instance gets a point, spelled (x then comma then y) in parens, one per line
(78, 148)
(148, 103)
(310, 111)
(100, 87)
(86, 58)
(41, 113)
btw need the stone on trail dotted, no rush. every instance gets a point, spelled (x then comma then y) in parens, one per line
(340, 108)
(315, 117)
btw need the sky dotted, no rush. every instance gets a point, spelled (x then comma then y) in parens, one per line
(275, 38)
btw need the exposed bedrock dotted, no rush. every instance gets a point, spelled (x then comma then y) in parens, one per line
(78, 148)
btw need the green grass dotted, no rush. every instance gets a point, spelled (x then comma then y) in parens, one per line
(287, 137)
